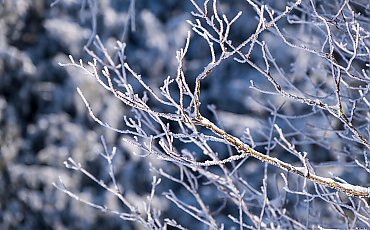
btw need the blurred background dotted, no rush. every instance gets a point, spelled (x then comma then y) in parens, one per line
(43, 121)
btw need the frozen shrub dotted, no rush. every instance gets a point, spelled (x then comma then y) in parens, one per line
(265, 125)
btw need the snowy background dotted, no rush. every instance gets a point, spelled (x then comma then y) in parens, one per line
(43, 121)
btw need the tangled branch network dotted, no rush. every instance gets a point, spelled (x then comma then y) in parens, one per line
(330, 86)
